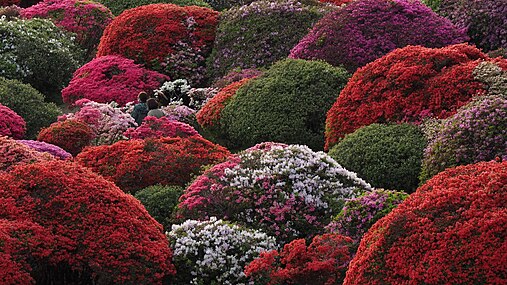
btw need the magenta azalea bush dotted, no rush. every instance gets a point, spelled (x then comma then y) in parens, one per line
(52, 149)
(11, 124)
(111, 78)
(365, 30)
(153, 127)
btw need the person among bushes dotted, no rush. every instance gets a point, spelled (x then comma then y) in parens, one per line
(140, 109)
(153, 109)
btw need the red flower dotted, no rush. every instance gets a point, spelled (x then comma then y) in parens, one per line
(71, 135)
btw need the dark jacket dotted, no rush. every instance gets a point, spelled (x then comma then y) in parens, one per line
(139, 113)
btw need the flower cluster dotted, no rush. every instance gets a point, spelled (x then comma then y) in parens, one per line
(179, 112)
(407, 85)
(214, 251)
(136, 164)
(451, 231)
(99, 235)
(70, 135)
(359, 214)
(13, 153)
(323, 262)
(85, 18)
(111, 78)
(236, 75)
(153, 127)
(286, 191)
(366, 30)
(164, 37)
(11, 124)
(176, 91)
(48, 148)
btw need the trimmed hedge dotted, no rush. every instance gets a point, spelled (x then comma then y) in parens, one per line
(160, 201)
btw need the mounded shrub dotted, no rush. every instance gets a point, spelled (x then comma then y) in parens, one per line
(236, 75)
(215, 251)
(407, 85)
(13, 153)
(38, 53)
(93, 225)
(168, 38)
(137, 164)
(286, 191)
(153, 127)
(54, 150)
(29, 104)
(118, 6)
(160, 201)
(87, 19)
(287, 104)
(365, 30)
(70, 135)
(323, 262)
(256, 35)
(387, 156)
(111, 78)
(451, 231)
(11, 124)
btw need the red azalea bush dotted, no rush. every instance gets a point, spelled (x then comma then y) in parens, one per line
(11, 124)
(85, 18)
(71, 135)
(111, 78)
(101, 235)
(137, 164)
(323, 262)
(168, 38)
(407, 85)
(13, 153)
(451, 231)
(153, 127)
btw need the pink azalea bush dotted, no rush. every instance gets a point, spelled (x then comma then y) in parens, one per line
(52, 149)
(11, 124)
(153, 127)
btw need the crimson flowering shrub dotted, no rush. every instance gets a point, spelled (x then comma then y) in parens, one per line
(236, 75)
(407, 85)
(323, 262)
(11, 124)
(136, 164)
(100, 235)
(111, 78)
(451, 231)
(47, 148)
(71, 135)
(365, 30)
(13, 153)
(168, 38)
(153, 127)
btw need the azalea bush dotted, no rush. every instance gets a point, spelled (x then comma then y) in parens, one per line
(111, 78)
(11, 124)
(256, 35)
(387, 156)
(160, 201)
(178, 48)
(70, 135)
(38, 53)
(236, 75)
(360, 214)
(13, 153)
(136, 164)
(89, 220)
(451, 231)
(286, 191)
(54, 150)
(118, 6)
(153, 127)
(365, 30)
(85, 18)
(323, 262)
(407, 85)
(214, 251)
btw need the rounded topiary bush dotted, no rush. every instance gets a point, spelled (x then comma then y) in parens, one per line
(52, 149)
(451, 231)
(13, 153)
(387, 156)
(365, 30)
(407, 85)
(29, 104)
(286, 191)
(153, 127)
(477, 132)
(323, 262)
(111, 78)
(93, 225)
(168, 38)
(85, 18)
(256, 35)
(215, 251)
(160, 201)
(286, 104)
(137, 164)
(11, 124)
(118, 6)
(37, 52)
(71, 135)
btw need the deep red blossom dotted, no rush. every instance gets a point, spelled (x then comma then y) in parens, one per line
(11, 124)
(71, 135)
(153, 127)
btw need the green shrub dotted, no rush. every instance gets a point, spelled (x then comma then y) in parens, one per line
(287, 104)
(29, 104)
(160, 201)
(387, 156)
(118, 6)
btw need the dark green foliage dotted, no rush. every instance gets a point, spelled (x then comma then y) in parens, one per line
(287, 104)
(160, 201)
(118, 6)
(387, 156)
(29, 104)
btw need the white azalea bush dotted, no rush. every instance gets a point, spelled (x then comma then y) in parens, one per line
(288, 191)
(215, 252)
